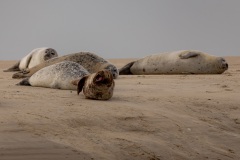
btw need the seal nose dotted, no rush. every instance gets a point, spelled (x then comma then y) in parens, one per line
(114, 75)
(224, 63)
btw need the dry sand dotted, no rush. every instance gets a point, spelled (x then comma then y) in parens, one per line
(167, 117)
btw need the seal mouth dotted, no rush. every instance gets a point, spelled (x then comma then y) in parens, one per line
(103, 77)
(115, 75)
(99, 78)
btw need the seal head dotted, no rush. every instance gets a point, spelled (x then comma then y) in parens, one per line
(50, 53)
(97, 86)
(113, 69)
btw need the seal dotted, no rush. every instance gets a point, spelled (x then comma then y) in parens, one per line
(89, 61)
(68, 75)
(57, 76)
(178, 62)
(34, 58)
(98, 85)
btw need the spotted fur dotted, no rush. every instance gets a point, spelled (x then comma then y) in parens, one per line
(89, 61)
(57, 76)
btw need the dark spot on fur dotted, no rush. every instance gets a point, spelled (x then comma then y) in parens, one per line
(144, 70)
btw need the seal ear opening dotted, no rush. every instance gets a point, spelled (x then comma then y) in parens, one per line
(80, 84)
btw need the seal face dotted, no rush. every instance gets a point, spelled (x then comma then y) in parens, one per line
(179, 62)
(34, 58)
(113, 69)
(57, 76)
(91, 62)
(97, 86)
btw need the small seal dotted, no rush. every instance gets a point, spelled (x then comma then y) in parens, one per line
(179, 62)
(34, 58)
(68, 75)
(91, 62)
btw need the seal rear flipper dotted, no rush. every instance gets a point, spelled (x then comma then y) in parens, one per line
(24, 82)
(14, 68)
(125, 70)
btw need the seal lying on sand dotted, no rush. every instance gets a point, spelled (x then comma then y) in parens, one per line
(89, 61)
(179, 62)
(72, 76)
(34, 58)
(58, 76)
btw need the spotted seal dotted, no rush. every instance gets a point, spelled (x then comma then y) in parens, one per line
(57, 76)
(89, 61)
(34, 58)
(68, 75)
(179, 62)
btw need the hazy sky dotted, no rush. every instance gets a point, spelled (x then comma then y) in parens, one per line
(119, 28)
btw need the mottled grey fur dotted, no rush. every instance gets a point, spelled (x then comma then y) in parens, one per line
(89, 61)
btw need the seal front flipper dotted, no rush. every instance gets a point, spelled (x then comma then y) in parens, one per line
(14, 68)
(21, 74)
(125, 70)
(188, 54)
(80, 83)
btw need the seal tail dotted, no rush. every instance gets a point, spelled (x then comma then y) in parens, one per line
(14, 68)
(24, 82)
(125, 70)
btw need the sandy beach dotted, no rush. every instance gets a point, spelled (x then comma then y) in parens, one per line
(160, 117)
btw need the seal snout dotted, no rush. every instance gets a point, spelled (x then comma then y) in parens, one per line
(224, 64)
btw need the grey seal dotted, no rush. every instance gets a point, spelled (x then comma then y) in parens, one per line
(35, 57)
(179, 62)
(68, 75)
